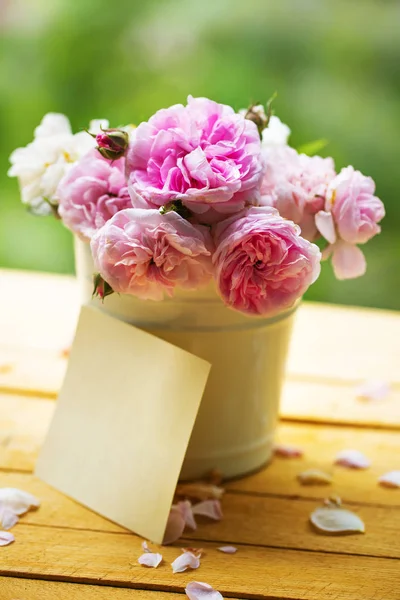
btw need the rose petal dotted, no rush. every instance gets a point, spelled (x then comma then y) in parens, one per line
(187, 513)
(208, 508)
(199, 491)
(326, 226)
(6, 538)
(17, 500)
(150, 559)
(197, 590)
(348, 261)
(145, 546)
(331, 519)
(314, 477)
(175, 526)
(390, 480)
(196, 551)
(227, 549)
(8, 518)
(287, 451)
(185, 561)
(333, 501)
(353, 459)
(373, 389)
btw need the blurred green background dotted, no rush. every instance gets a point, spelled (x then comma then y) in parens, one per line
(334, 63)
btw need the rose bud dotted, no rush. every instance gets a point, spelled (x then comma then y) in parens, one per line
(256, 113)
(112, 143)
(101, 288)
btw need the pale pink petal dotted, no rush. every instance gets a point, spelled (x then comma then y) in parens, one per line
(348, 261)
(186, 509)
(17, 500)
(145, 546)
(288, 451)
(373, 389)
(187, 560)
(326, 226)
(208, 508)
(196, 551)
(390, 480)
(197, 590)
(227, 549)
(175, 526)
(6, 538)
(353, 459)
(8, 518)
(314, 477)
(199, 491)
(150, 559)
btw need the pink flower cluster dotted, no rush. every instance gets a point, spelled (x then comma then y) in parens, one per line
(341, 208)
(194, 194)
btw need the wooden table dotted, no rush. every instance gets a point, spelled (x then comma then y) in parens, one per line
(64, 551)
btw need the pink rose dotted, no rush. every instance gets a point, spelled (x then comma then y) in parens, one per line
(262, 263)
(355, 209)
(91, 193)
(296, 185)
(203, 154)
(351, 217)
(144, 253)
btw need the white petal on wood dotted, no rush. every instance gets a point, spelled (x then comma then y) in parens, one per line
(150, 559)
(390, 479)
(373, 390)
(197, 590)
(6, 538)
(187, 560)
(8, 518)
(227, 549)
(17, 500)
(354, 459)
(314, 477)
(288, 451)
(330, 520)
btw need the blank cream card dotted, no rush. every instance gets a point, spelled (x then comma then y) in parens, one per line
(123, 422)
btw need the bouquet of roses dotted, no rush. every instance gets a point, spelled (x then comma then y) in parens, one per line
(200, 192)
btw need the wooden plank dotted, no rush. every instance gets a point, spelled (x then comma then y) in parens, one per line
(12, 588)
(331, 345)
(111, 559)
(336, 402)
(24, 422)
(284, 523)
(26, 370)
(38, 310)
(248, 519)
(345, 343)
(320, 444)
(23, 425)
(40, 373)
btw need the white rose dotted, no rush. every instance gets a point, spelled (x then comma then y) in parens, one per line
(42, 163)
(276, 134)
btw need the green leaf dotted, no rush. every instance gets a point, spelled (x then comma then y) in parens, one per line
(312, 148)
